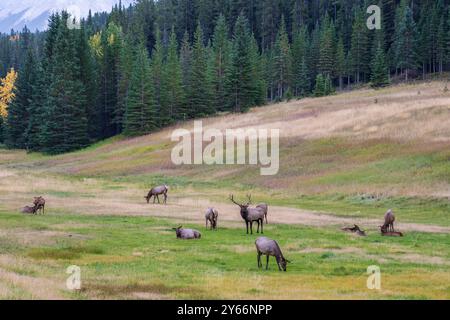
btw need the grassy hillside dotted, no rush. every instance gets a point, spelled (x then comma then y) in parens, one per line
(344, 159)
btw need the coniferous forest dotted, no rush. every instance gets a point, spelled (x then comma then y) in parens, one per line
(146, 66)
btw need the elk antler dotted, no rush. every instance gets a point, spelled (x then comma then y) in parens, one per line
(249, 196)
(232, 200)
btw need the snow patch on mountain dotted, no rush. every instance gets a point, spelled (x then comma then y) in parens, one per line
(34, 13)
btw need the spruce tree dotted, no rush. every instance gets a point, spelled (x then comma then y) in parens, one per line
(240, 85)
(220, 62)
(17, 120)
(379, 76)
(65, 127)
(327, 49)
(406, 54)
(175, 102)
(199, 88)
(36, 110)
(283, 61)
(300, 46)
(140, 112)
(340, 67)
(156, 67)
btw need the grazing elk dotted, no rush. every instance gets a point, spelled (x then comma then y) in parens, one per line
(187, 233)
(251, 215)
(28, 209)
(211, 216)
(270, 247)
(39, 204)
(155, 192)
(389, 219)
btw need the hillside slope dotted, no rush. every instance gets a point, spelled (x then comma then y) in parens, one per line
(394, 141)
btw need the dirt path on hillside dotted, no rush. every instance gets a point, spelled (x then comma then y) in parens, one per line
(91, 197)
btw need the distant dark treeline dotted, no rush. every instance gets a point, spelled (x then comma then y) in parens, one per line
(156, 62)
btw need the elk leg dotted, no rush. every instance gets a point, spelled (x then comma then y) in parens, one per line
(251, 227)
(262, 223)
(165, 198)
(267, 262)
(157, 196)
(154, 199)
(257, 230)
(258, 259)
(246, 223)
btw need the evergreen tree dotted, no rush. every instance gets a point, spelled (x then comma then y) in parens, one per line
(300, 71)
(359, 52)
(240, 85)
(379, 76)
(282, 61)
(17, 120)
(327, 50)
(340, 66)
(405, 44)
(220, 62)
(319, 89)
(140, 112)
(36, 111)
(156, 68)
(65, 127)
(175, 103)
(199, 88)
(125, 71)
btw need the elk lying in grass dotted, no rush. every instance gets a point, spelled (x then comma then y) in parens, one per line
(386, 233)
(389, 219)
(28, 209)
(251, 215)
(269, 247)
(39, 203)
(155, 192)
(355, 229)
(211, 216)
(187, 233)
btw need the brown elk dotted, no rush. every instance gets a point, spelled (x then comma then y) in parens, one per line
(389, 219)
(39, 204)
(211, 216)
(269, 248)
(155, 192)
(251, 215)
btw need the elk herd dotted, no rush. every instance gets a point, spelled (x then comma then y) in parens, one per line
(250, 215)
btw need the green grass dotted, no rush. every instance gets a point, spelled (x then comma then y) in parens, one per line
(120, 256)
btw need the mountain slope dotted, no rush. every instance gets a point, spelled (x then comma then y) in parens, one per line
(34, 14)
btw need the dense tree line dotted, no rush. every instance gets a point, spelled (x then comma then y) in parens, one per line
(153, 63)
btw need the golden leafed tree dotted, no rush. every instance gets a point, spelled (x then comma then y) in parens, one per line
(7, 91)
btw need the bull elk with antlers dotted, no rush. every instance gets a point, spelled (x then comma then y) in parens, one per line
(251, 215)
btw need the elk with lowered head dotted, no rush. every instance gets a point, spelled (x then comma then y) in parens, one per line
(39, 204)
(155, 192)
(269, 247)
(211, 216)
(187, 233)
(389, 219)
(251, 215)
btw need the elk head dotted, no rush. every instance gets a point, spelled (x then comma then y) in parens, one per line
(244, 207)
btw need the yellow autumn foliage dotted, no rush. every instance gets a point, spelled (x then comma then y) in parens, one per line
(7, 91)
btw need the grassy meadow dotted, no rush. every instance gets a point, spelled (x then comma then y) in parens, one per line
(344, 159)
